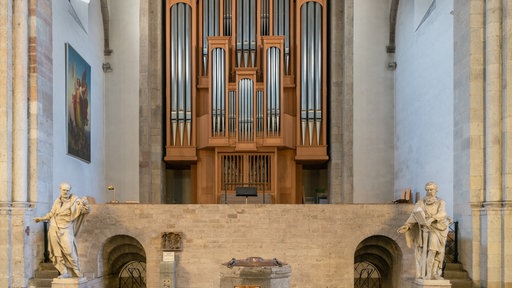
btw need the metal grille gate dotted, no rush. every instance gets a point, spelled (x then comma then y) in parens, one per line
(366, 275)
(133, 275)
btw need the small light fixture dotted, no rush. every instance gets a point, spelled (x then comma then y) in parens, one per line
(107, 67)
(112, 188)
(392, 66)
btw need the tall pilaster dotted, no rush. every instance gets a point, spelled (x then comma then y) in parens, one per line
(5, 102)
(493, 99)
(493, 140)
(5, 141)
(19, 243)
(341, 92)
(507, 239)
(507, 100)
(151, 166)
(507, 142)
(20, 103)
(20, 246)
(335, 103)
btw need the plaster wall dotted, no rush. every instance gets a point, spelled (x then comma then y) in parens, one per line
(467, 129)
(122, 101)
(87, 40)
(373, 104)
(318, 241)
(424, 100)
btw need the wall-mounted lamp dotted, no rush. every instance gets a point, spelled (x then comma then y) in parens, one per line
(106, 67)
(392, 66)
(112, 188)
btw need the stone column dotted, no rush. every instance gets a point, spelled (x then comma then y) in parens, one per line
(493, 140)
(507, 143)
(341, 83)
(507, 238)
(475, 243)
(19, 214)
(507, 101)
(20, 103)
(21, 256)
(335, 103)
(151, 166)
(5, 140)
(493, 98)
(5, 102)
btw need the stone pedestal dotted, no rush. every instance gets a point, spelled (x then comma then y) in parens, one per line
(69, 283)
(261, 277)
(420, 283)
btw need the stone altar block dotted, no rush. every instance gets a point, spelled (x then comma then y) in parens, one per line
(255, 272)
(420, 283)
(69, 283)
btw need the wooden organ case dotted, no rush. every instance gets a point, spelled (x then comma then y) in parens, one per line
(246, 95)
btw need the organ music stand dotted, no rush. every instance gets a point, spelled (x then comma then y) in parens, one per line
(247, 192)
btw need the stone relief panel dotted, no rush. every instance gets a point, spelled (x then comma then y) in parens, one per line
(172, 241)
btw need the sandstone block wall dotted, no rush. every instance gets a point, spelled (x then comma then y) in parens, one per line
(317, 241)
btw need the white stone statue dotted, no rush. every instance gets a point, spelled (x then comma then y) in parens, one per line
(427, 229)
(65, 218)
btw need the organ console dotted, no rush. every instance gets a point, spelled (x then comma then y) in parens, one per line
(246, 94)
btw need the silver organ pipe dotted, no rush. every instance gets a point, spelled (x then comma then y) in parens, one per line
(181, 91)
(282, 27)
(246, 32)
(318, 75)
(277, 88)
(265, 17)
(181, 72)
(232, 112)
(259, 113)
(311, 71)
(239, 33)
(273, 90)
(311, 68)
(252, 32)
(245, 110)
(188, 74)
(222, 90)
(174, 82)
(205, 36)
(227, 18)
(303, 73)
(270, 96)
(218, 91)
(214, 92)
(210, 27)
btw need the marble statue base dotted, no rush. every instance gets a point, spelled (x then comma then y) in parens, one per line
(69, 283)
(420, 283)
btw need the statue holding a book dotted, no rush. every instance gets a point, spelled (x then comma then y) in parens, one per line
(427, 229)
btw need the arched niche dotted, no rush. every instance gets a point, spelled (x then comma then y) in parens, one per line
(378, 259)
(121, 252)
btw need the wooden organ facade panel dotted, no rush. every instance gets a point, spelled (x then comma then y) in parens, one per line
(246, 94)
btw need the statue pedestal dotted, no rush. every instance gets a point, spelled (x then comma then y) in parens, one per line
(69, 283)
(420, 283)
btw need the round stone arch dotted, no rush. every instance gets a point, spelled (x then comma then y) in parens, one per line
(384, 256)
(118, 252)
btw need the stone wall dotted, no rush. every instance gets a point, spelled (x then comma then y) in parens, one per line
(317, 241)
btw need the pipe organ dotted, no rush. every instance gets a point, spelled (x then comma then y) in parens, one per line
(245, 95)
